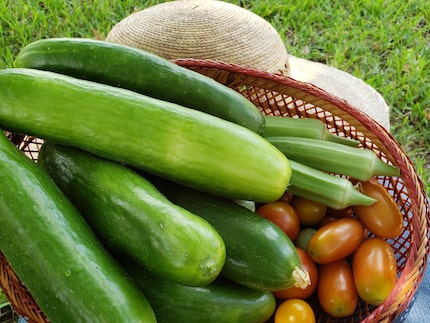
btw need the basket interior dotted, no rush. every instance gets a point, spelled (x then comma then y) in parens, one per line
(282, 96)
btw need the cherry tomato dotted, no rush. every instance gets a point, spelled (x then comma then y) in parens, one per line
(335, 240)
(294, 311)
(336, 289)
(302, 240)
(383, 217)
(342, 213)
(310, 267)
(375, 270)
(283, 215)
(310, 212)
(287, 197)
(326, 220)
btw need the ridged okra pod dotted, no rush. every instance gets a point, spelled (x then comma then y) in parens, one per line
(302, 127)
(361, 164)
(333, 191)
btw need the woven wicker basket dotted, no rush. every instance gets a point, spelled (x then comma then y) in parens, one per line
(283, 96)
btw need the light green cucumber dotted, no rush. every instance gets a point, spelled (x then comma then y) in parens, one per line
(185, 145)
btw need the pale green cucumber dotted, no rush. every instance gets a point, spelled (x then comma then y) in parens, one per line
(185, 145)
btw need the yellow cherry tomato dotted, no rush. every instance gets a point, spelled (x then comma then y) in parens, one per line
(310, 212)
(294, 311)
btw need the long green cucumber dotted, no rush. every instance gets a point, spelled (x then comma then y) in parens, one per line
(140, 71)
(133, 219)
(185, 145)
(221, 301)
(259, 254)
(54, 252)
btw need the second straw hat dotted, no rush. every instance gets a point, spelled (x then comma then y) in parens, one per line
(217, 30)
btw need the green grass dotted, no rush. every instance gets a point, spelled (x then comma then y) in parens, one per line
(385, 43)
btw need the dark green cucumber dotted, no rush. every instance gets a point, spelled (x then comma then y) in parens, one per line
(133, 219)
(185, 145)
(54, 252)
(259, 254)
(140, 71)
(221, 301)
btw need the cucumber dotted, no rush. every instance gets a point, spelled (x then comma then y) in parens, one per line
(54, 252)
(188, 146)
(140, 71)
(219, 302)
(133, 219)
(259, 254)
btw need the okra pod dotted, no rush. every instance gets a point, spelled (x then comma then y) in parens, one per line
(361, 164)
(334, 191)
(302, 127)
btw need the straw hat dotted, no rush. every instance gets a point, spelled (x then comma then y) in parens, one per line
(217, 30)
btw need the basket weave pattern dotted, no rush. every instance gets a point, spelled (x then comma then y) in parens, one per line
(280, 95)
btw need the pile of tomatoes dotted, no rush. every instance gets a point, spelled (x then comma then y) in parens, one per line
(345, 252)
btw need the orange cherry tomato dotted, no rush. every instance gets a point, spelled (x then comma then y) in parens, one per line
(310, 267)
(383, 217)
(335, 240)
(283, 215)
(294, 311)
(336, 289)
(375, 270)
(310, 212)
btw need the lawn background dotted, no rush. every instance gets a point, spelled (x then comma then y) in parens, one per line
(385, 43)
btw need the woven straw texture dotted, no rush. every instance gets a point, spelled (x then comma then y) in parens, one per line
(279, 95)
(204, 30)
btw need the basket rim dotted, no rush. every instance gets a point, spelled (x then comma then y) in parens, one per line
(322, 97)
(417, 260)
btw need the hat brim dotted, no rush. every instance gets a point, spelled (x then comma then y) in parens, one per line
(343, 85)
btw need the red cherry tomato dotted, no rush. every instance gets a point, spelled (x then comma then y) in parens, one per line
(310, 212)
(375, 270)
(310, 267)
(287, 197)
(342, 213)
(326, 220)
(335, 240)
(336, 289)
(383, 217)
(283, 215)
(294, 311)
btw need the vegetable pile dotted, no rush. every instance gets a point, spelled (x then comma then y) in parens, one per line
(162, 195)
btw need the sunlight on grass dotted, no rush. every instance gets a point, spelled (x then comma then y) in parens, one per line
(385, 43)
